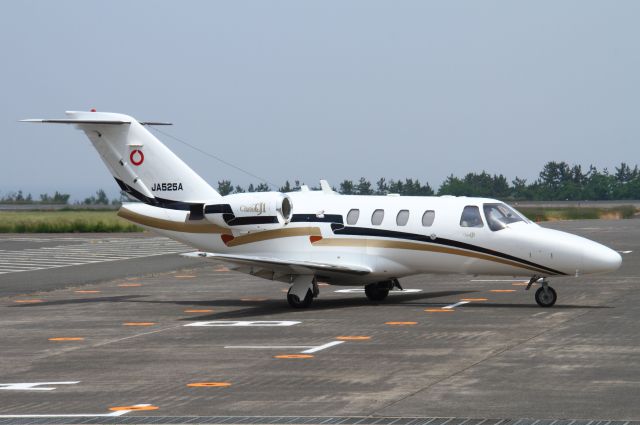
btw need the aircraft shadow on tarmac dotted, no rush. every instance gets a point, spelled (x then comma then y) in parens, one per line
(268, 307)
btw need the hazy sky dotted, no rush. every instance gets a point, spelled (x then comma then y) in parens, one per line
(308, 90)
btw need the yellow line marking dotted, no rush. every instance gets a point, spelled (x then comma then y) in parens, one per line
(198, 311)
(439, 310)
(86, 292)
(71, 338)
(28, 301)
(353, 338)
(130, 285)
(474, 299)
(119, 408)
(138, 323)
(293, 356)
(401, 323)
(502, 290)
(209, 384)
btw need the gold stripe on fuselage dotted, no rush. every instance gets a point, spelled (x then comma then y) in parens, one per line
(382, 243)
(274, 234)
(201, 226)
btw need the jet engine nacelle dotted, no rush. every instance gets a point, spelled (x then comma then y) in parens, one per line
(251, 211)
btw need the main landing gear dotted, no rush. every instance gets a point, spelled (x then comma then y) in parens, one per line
(545, 296)
(302, 291)
(380, 290)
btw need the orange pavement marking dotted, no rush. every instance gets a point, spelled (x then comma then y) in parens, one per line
(502, 290)
(209, 384)
(474, 299)
(86, 292)
(28, 301)
(440, 310)
(198, 311)
(400, 323)
(119, 408)
(353, 338)
(138, 323)
(221, 269)
(293, 356)
(129, 285)
(71, 338)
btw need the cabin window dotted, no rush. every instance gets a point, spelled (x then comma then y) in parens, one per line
(471, 217)
(376, 217)
(402, 218)
(428, 217)
(352, 216)
(498, 216)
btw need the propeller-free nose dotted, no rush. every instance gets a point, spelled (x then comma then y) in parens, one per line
(597, 258)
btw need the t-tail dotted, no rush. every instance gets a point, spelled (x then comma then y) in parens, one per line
(142, 165)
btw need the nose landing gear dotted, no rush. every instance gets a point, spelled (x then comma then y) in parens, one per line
(545, 296)
(378, 291)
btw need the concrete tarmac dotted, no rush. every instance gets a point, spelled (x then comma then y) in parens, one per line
(194, 340)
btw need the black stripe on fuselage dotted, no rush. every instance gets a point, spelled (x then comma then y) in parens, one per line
(313, 218)
(158, 202)
(381, 233)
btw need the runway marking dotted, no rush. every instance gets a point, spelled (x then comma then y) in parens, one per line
(221, 269)
(307, 349)
(130, 285)
(198, 311)
(625, 252)
(401, 323)
(439, 310)
(185, 277)
(452, 306)
(134, 408)
(361, 291)
(34, 386)
(138, 323)
(502, 290)
(86, 252)
(474, 299)
(210, 384)
(28, 301)
(253, 299)
(86, 292)
(69, 338)
(498, 280)
(520, 284)
(353, 338)
(233, 323)
(293, 356)
(322, 347)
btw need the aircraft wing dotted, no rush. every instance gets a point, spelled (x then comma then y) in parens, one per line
(282, 266)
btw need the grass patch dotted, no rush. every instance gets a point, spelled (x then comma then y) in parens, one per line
(575, 213)
(64, 222)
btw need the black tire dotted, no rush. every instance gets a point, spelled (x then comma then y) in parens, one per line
(546, 298)
(294, 300)
(376, 292)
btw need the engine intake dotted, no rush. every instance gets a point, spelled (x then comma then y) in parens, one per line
(252, 211)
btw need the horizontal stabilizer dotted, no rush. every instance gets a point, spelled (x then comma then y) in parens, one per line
(78, 121)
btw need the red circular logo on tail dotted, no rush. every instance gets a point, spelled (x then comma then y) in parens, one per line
(136, 157)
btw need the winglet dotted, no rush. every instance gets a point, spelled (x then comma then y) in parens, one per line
(326, 187)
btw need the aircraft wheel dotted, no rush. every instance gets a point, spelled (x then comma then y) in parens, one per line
(294, 300)
(546, 296)
(376, 291)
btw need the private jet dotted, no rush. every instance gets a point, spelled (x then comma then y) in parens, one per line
(306, 236)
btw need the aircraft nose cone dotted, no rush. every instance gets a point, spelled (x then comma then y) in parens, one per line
(600, 259)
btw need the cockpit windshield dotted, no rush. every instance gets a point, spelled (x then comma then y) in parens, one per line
(500, 215)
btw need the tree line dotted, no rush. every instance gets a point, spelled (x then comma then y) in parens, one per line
(556, 181)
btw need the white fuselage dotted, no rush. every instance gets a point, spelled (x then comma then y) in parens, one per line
(400, 245)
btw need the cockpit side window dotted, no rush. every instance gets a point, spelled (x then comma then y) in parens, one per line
(500, 215)
(471, 217)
